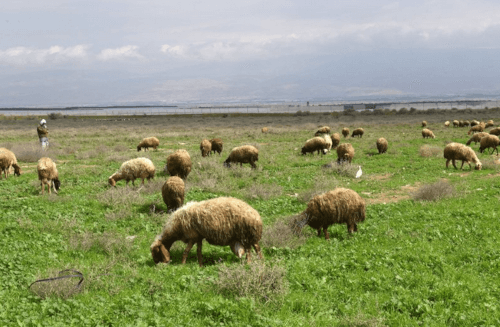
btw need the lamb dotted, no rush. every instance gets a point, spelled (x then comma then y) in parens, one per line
(340, 206)
(495, 131)
(477, 128)
(456, 123)
(173, 193)
(221, 221)
(457, 151)
(179, 164)
(335, 140)
(358, 132)
(322, 130)
(447, 123)
(424, 123)
(476, 138)
(489, 141)
(490, 123)
(426, 133)
(205, 147)
(48, 174)
(243, 154)
(345, 132)
(315, 144)
(148, 142)
(8, 159)
(131, 170)
(217, 145)
(382, 145)
(265, 129)
(345, 152)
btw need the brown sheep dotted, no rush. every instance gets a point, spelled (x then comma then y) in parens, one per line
(173, 193)
(490, 123)
(358, 132)
(243, 154)
(495, 131)
(205, 148)
(489, 141)
(477, 128)
(322, 130)
(345, 132)
(340, 206)
(345, 152)
(476, 138)
(7, 160)
(474, 123)
(426, 133)
(133, 169)
(457, 151)
(179, 164)
(48, 174)
(265, 129)
(456, 123)
(217, 145)
(221, 221)
(382, 145)
(335, 140)
(148, 142)
(315, 144)
(424, 123)
(466, 123)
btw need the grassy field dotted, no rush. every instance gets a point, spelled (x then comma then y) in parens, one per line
(413, 262)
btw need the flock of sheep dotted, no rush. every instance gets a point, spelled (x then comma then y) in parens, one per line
(229, 221)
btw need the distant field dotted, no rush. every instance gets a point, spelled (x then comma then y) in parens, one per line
(412, 262)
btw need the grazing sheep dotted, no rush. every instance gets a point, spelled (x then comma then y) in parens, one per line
(7, 160)
(456, 123)
(328, 140)
(315, 144)
(476, 138)
(490, 123)
(457, 151)
(48, 174)
(474, 123)
(426, 133)
(148, 142)
(265, 129)
(335, 140)
(447, 123)
(221, 221)
(476, 129)
(424, 123)
(217, 145)
(345, 132)
(340, 206)
(205, 147)
(243, 154)
(179, 164)
(382, 145)
(173, 193)
(489, 141)
(131, 170)
(495, 131)
(345, 152)
(466, 123)
(322, 130)
(461, 123)
(358, 132)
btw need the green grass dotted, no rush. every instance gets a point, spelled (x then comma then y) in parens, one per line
(411, 263)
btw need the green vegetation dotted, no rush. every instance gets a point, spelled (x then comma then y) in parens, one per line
(426, 255)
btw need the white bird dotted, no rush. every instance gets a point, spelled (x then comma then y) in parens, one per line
(359, 173)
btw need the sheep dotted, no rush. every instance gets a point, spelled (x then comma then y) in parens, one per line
(131, 170)
(426, 133)
(345, 132)
(335, 140)
(476, 138)
(179, 164)
(265, 129)
(474, 123)
(322, 130)
(328, 140)
(173, 193)
(457, 151)
(447, 123)
(48, 174)
(461, 123)
(456, 123)
(424, 123)
(358, 132)
(345, 152)
(243, 154)
(221, 221)
(148, 142)
(477, 128)
(382, 145)
(495, 131)
(315, 144)
(466, 123)
(335, 207)
(205, 147)
(217, 145)
(8, 159)
(490, 123)
(489, 141)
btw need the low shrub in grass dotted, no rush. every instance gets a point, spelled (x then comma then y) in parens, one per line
(430, 151)
(121, 196)
(433, 192)
(284, 233)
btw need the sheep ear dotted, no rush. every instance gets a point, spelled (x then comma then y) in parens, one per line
(160, 253)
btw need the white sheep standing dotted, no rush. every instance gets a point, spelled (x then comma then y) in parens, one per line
(457, 151)
(131, 170)
(8, 160)
(48, 174)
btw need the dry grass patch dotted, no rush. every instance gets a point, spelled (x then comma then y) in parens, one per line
(109, 243)
(32, 152)
(434, 192)
(284, 233)
(121, 196)
(430, 151)
(263, 191)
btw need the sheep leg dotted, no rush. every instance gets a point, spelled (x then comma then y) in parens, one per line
(325, 230)
(248, 251)
(198, 252)
(447, 162)
(453, 162)
(319, 232)
(43, 187)
(142, 183)
(186, 251)
(462, 165)
(48, 186)
(352, 227)
(54, 186)
(256, 247)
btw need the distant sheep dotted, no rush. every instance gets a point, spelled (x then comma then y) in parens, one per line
(466, 123)
(489, 141)
(477, 128)
(328, 140)
(217, 145)
(447, 123)
(265, 129)
(456, 123)
(461, 123)
(173, 193)
(495, 131)
(322, 130)
(474, 123)
(345, 132)
(243, 154)
(476, 138)
(427, 133)
(133, 169)
(345, 152)
(315, 144)
(335, 140)
(340, 206)
(490, 123)
(48, 174)
(358, 132)
(382, 145)
(221, 221)
(457, 151)
(148, 142)
(424, 124)
(179, 164)
(8, 160)
(205, 147)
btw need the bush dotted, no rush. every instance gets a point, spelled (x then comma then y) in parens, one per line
(284, 233)
(55, 115)
(403, 111)
(433, 192)
(430, 151)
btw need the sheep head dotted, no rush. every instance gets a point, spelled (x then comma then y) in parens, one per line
(478, 166)
(159, 252)
(111, 180)
(17, 169)
(138, 148)
(57, 183)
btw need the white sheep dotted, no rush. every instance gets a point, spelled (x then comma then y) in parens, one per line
(458, 151)
(48, 174)
(489, 141)
(131, 170)
(8, 160)
(426, 133)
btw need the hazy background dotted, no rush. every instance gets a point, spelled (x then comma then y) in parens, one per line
(118, 52)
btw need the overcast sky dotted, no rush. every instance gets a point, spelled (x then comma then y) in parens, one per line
(56, 52)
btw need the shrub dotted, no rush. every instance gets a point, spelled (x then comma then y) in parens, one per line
(433, 192)
(284, 233)
(430, 151)
(403, 111)
(55, 115)
(120, 196)
(263, 191)
(31, 152)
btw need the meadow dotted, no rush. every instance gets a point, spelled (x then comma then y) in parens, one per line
(427, 254)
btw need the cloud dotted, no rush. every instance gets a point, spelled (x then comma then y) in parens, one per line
(23, 56)
(128, 51)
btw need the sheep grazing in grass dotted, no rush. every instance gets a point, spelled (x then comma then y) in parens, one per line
(48, 174)
(322, 130)
(489, 141)
(315, 144)
(265, 129)
(217, 145)
(456, 123)
(495, 131)
(490, 123)
(8, 160)
(424, 123)
(173, 193)
(345, 153)
(476, 138)
(335, 140)
(340, 206)
(447, 123)
(179, 164)
(461, 123)
(358, 132)
(243, 154)
(133, 169)
(221, 221)
(457, 151)
(474, 123)
(466, 123)
(148, 142)
(382, 145)
(427, 133)
(476, 129)
(345, 132)
(205, 147)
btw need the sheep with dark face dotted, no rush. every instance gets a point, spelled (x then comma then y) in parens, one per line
(217, 145)
(489, 141)
(495, 131)
(345, 132)
(345, 153)
(358, 132)
(48, 174)
(457, 151)
(456, 123)
(382, 145)
(322, 130)
(172, 193)
(205, 147)
(424, 123)
(134, 169)
(315, 144)
(243, 154)
(7, 160)
(148, 142)
(477, 128)
(179, 164)
(335, 140)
